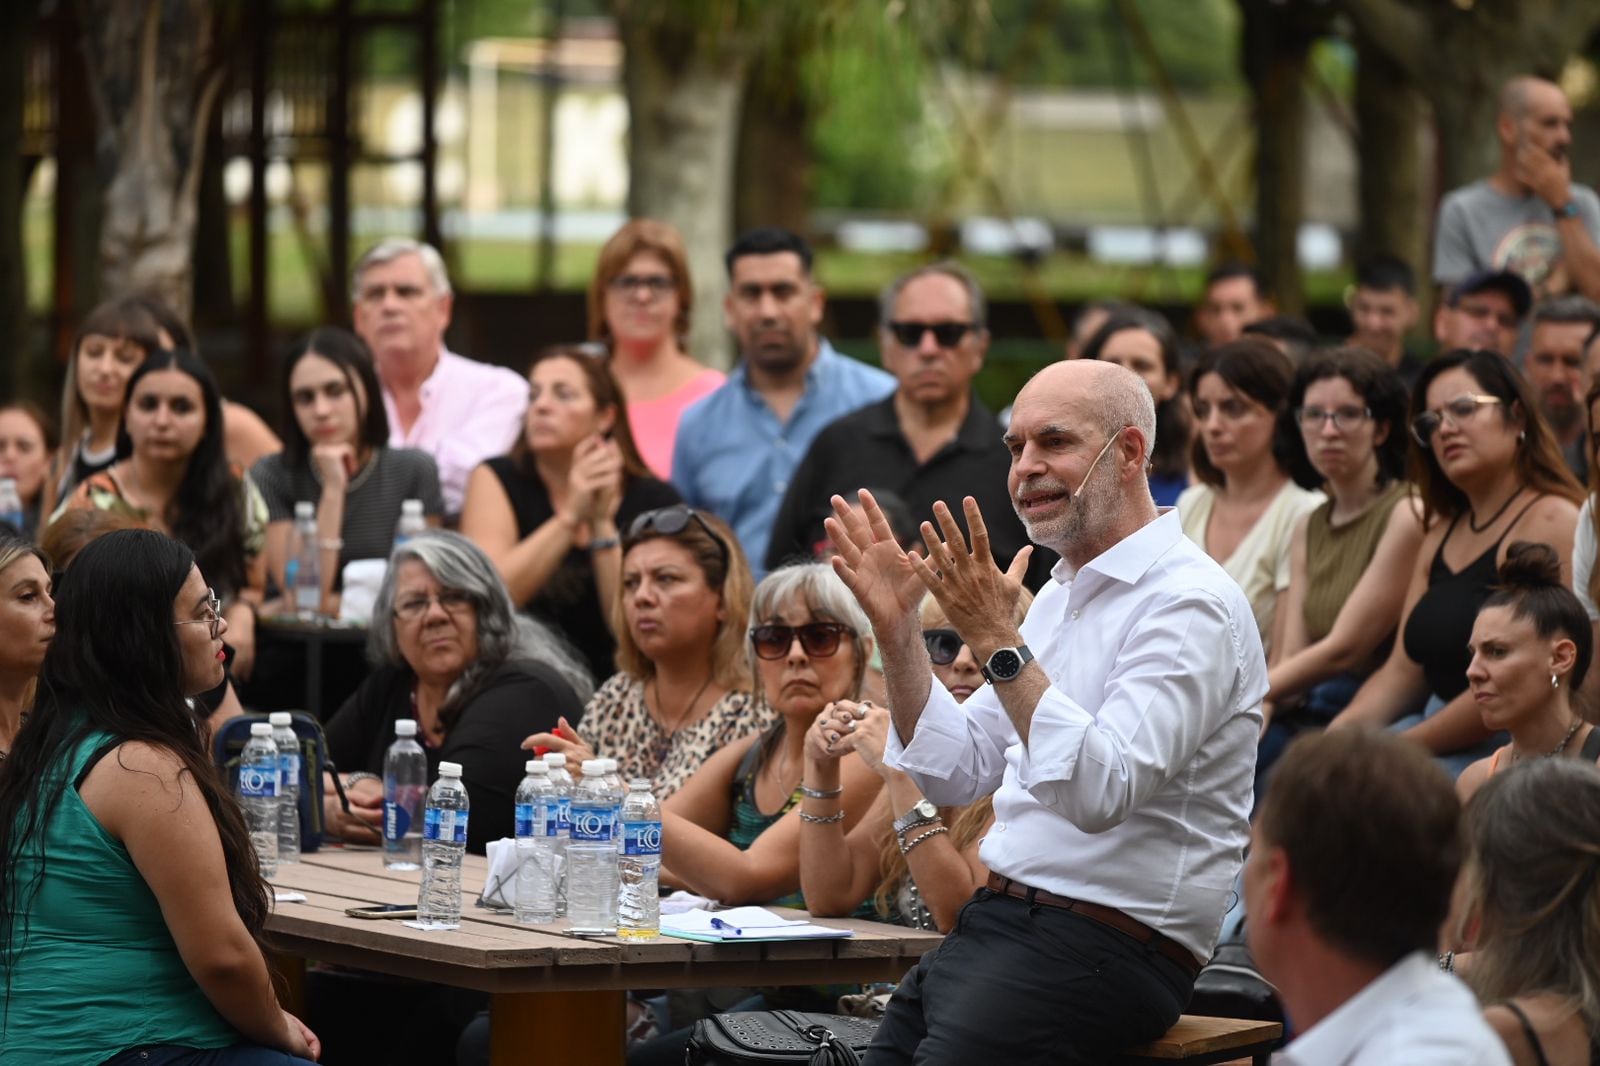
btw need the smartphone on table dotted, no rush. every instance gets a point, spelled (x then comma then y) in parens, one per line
(383, 910)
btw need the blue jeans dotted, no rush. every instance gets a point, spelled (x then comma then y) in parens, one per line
(1455, 761)
(173, 1055)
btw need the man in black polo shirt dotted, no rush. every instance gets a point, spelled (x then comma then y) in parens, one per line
(930, 440)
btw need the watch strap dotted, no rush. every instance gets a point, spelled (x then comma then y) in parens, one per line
(1022, 652)
(913, 818)
(1567, 210)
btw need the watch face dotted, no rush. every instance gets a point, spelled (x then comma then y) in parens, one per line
(927, 809)
(1005, 664)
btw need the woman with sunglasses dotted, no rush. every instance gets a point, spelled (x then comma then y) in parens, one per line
(1490, 473)
(549, 514)
(132, 928)
(27, 622)
(1352, 557)
(732, 832)
(683, 689)
(1244, 509)
(640, 299)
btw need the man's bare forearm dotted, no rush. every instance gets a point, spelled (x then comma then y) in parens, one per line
(907, 674)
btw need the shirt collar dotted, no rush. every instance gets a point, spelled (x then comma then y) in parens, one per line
(1337, 1037)
(1129, 558)
(822, 364)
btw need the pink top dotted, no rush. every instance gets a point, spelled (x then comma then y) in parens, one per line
(655, 422)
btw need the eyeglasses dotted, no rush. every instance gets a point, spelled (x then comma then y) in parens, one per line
(945, 334)
(943, 645)
(212, 616)
(454, 601)
(1457, 411)
(654, 286)
(670, 521)
(819, 639)
(1344, 419)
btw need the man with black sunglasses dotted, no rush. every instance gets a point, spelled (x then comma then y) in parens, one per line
(931, 440)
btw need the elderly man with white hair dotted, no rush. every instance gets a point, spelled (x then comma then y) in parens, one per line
(1117, 733)
(457, 409)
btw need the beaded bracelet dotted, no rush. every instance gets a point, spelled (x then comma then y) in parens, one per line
(905, 849)
(836, 816)
(821, 793)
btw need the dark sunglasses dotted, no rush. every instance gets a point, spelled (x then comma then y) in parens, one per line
(943, 645)
(670, 521)
(945, 334)
(819, 639)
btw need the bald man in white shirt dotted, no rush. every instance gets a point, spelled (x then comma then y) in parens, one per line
(1117, 733)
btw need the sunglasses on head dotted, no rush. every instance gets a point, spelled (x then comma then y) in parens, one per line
(670, 521)
(945, 334)
(819, 639)
(943, 645)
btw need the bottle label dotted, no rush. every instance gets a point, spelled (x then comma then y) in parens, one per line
(591, 825)
(641, 838)
(289, 766)
(396, 821)
(550, 813)
(525, 819)
(258, 781)
(565, 814)
(291, 572)
(445, 825)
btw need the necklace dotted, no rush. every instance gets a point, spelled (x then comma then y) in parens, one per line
(683, 715)
(1472, 516)
(1561, 747)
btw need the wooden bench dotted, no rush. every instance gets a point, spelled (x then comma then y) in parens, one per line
(1200, 1040)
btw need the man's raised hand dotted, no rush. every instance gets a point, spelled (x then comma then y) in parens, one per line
(872, 565)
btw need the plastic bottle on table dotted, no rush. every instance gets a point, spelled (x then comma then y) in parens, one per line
(288, 745)
(619, 791)
(444, 842)
(405, 786)
(412, 521)
(639, 872)
(561, 779)
(258, 795)
(303, 572)
(591, 855)
(536, 854)
(11, 509)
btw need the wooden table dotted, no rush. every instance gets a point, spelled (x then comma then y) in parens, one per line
(554, 997)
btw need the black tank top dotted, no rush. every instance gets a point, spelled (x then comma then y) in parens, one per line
(1441, 623)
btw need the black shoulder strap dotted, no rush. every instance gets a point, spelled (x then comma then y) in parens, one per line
(1590, 752)
(94, 760)
(1527, 1031)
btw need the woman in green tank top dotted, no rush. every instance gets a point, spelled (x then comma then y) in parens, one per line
(130, 903)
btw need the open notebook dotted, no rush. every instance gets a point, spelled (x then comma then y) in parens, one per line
(744, 923)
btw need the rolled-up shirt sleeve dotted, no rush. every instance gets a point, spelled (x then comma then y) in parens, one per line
(957, 754)
(1168, 691)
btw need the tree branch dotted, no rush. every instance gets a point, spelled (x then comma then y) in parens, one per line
(1396, 30)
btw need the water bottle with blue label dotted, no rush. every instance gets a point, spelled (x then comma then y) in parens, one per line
(536, 826)
(561, 780)
(444, 842)
(258, 795)
(639, 871)
(288, 745)
(12, 512)
(412, 521)
(303, 571)
(405, 787)
(592, 856)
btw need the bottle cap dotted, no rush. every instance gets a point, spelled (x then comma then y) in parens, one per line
(610, 765)
(639, 784)
(405, 727)
(305, 509)
(536, 767)
(556, 759)
(277, 718)
(593, 768)
(261, 729)
(449, 769)
(409, 507)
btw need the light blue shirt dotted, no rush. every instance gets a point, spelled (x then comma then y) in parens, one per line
(734, 458)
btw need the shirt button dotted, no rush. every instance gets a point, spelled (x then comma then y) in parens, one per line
(1074, 615)
(780, 486)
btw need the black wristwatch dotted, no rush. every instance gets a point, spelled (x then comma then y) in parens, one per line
(1006, 663)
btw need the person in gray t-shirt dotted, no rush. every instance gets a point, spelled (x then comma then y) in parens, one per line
(1528, 216)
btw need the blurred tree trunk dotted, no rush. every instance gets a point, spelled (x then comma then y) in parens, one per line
(213, 258)
(1391, 182)
(17, 23)
(154, 85)
(774, 167)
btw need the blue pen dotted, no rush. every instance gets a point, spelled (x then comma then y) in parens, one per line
(718, 923)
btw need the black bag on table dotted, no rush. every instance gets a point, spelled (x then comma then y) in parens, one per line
(754, 1038)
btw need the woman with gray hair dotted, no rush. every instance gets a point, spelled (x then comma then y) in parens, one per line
(450, 652)
(732, 832)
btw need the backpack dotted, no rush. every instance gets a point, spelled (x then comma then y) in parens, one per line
(227, 745)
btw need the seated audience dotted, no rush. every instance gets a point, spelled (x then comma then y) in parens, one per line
(134, 907)
(27, 441)
(1244, 510)
(336, 455)
(172, 475)
(1145, 343)
(1290, 334)
(1585, 574)
(1235, 296)
(549, 514)
(1353, 858)
(1483, 312)
(476, 677)
(683, 689)
(640, 299)
(732, 832)
(1532, 897)
(1086, 322)
(27, 622)
(1531, 648)
(1484, 455)
(1352, 557)
(1383, 310)
(1558, 331)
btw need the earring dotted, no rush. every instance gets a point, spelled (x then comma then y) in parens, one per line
(1522, 435)
(1555, 681)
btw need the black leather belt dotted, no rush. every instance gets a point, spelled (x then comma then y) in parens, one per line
(1108, 916)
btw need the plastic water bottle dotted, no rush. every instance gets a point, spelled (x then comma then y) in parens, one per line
(561, 780)
(591, 856)
(11, 510)
(536, 852)
(444, 842)
(288, 745)
(411, 522)
(405, 786)
(258, 795)
(614, 785)
(303, 572)
(639, 872)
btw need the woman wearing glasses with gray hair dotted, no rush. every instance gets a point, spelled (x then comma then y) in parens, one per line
(475, 676)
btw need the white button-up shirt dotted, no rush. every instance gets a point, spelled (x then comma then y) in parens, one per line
(1413, 1014)
(1134, 788)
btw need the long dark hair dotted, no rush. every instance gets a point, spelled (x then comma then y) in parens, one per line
(351, 355)
(1263, 373)
(1381, 389)
(208, 512)
(607, 395)
(1170, 455)
(115, 666)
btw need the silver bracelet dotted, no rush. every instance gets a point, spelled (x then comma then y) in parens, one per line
(1447, 962)
(905, 849)
(821, 793)
(352, 779)
(836, 816)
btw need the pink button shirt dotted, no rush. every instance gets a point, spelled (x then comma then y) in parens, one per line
(655, 422)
